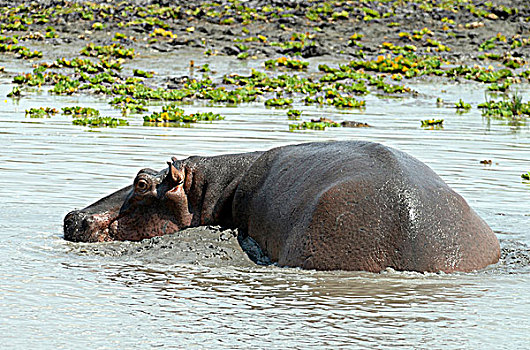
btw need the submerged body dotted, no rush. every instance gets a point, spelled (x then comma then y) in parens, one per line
(327, 206)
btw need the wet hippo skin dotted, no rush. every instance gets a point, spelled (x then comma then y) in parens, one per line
(347, 205)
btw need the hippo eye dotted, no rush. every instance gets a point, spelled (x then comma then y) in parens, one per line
(142, 186)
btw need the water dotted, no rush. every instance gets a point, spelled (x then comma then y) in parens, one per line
(53, 296)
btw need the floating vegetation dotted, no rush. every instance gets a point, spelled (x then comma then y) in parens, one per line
(354, 40)
(161, 32)
(98, 26)
(491, 42)
(100, 122)
(50, 33)
(512, 107)
(28, 54)
(86, 65)
(286, 62)
(526, 176)
(278, 102)
(204, 68)
(314, 125)
(114, 50)
(143, 74)
(41, 112)
(80, 112)
(416, 34)
(119, 36)
(298, 43)
(8, 44)
(173, 114)
(129, 105)
(65, 85)
(396, 49)
(294, 114)
(410, 65)
(323, 123)
(500, 87)
(432, 123)
(243, 55)
(16, 92)
(462, 106)
(476, 73)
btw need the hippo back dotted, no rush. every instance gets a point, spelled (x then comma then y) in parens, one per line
(358, 206)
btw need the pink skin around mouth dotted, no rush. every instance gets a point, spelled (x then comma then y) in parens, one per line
(108, 227)
(103, 226)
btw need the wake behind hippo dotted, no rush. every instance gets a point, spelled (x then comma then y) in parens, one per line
(347, 205)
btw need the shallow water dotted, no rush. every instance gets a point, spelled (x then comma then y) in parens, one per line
(54, 294)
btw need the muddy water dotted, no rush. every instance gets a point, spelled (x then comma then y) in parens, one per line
(54, 294)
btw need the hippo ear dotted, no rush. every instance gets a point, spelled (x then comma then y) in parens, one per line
(176, 177)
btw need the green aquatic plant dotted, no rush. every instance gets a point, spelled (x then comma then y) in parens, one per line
(278, 102)
(513, 62)
(41, 112)
(354, 40)
(297, 43)
(28, 54)
(432, 123)
(160, 32)
(243, 55)
(294, 114)
(355, 88)
(86, 65)
(485, 75)
(80, 112)
(461, 105)
(409, 65)
(378, 81)
(114, 50)
(143, 74)
(100, 121)
(340, 15)
(173, 114)
(489, 56)
(370, 14)
(286, 62)
(500, 87)
(346, 102)
(437, 45)
(129, 105)
(519, 42)
(65, 86)
(205, 68)
(491, 42)
(119, 36)
(314, 125)
(8, 44)
(398, 50)
(98, 26)
(511, 107)
(16, 92)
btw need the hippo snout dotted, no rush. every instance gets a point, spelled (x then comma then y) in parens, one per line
(76, 225)
(80, 226)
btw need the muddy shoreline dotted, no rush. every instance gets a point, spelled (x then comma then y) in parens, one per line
(460, 25)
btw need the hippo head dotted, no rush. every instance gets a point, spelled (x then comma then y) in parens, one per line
(154, 205)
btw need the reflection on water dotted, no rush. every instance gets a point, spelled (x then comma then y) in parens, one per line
(52, 296)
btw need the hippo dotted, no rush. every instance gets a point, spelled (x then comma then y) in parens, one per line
(342, 205)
